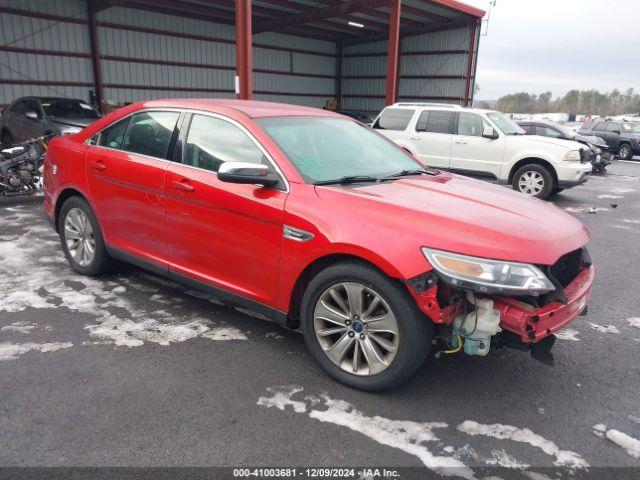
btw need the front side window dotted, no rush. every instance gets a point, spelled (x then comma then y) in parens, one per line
(600, 127)
(212, 141)
(326, 148)
(112, 136)
(394, 119)
(438, 121)
(18, 107)
(150, 133)
(471, 124)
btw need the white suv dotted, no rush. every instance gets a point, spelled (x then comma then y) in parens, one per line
(484, 143)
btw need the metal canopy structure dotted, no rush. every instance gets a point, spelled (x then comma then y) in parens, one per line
(347, 24)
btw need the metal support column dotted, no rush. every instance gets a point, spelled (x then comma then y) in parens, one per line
(95, 53)
(338, 80)
(244, 89)
(472, 45)
(392, 54)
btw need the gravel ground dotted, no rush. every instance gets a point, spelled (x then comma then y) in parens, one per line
(132, 370)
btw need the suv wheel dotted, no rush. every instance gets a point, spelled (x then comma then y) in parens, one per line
(363, 328)
(624, 152)
(81, 238)
(534, 180)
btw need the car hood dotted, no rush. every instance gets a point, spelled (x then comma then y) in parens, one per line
(458, 214)
(72, 121)
(597, 141)
(528, 140)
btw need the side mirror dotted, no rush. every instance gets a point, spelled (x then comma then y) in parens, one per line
(32, 115)
(244, 172)
(489, 132)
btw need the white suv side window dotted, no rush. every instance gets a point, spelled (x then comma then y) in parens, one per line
(394, 119)
(435, 121)
(470, 124)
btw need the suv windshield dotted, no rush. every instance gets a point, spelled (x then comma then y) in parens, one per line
(63, 108)
(631, 127)
(504, 123)
(325, 148)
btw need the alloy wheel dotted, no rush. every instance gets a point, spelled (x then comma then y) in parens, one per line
(79, 237)
(531, 182)
(624, 151)
(356, 328)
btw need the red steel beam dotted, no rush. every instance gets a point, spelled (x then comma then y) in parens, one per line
(243, 49)
(392, 57)
(472, 44)
(95, 54)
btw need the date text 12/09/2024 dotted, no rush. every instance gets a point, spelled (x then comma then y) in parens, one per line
(325, 472)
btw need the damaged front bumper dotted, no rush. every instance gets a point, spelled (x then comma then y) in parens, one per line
(533, 324)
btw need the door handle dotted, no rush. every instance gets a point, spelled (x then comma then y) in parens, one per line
(461, 142)
(99, 165)
(183, 186)
(414, 138)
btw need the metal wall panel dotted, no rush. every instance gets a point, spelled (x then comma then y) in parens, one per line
(367, 94)
(18, 31)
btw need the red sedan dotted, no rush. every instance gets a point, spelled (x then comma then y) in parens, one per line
(318, 222)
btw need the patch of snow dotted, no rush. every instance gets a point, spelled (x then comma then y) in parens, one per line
(536, 476)
(281, 398)
(599, 430)
(603, 328)
(628, 443)
(613, 197)
(119, 289)
(585, 209)
(524, 435)
(503, 459)
(224, 333)
(274, 335)
(10, 351)
(404, 435)
(634, 322)
(568, 334)
(18, 327)
(627, 220)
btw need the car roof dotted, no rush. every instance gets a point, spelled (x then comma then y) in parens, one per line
(251, 108)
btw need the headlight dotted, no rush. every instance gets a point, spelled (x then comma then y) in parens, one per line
(70, 130)
(488, 276)
(572, 156)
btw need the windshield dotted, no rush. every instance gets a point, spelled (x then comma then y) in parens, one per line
(504, 123)
(68, 108)
(326, 148)
(631, 127)
(566, 131)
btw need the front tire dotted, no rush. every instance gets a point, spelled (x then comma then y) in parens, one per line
(625, 152)
(81, 238)
(363, 328)
(534, 180)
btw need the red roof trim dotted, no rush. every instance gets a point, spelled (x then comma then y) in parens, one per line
(459, 6)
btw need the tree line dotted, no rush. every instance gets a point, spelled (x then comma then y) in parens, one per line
(575, 101)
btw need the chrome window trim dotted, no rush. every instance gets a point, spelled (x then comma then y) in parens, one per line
(234, 122)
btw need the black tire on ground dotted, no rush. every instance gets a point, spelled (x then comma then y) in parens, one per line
(101, 262)
(625, 152)
(557, 190)
(414, 328)
(6, 139)
(548, 182)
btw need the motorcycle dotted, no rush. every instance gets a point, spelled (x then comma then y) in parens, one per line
(22, 166)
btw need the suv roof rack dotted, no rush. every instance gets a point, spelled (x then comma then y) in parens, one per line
(427, 104)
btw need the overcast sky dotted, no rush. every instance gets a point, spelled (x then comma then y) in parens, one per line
(558, 45)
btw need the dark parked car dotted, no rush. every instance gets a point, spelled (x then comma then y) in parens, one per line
(360, 116)
(622, 137)
(600, 154)
(31, 117)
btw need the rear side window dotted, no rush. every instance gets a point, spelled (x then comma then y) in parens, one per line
(435, 121)
(613, 127)
(112, 136)
(212, 141)
(150, 133)
(394, 119)
(600, 127)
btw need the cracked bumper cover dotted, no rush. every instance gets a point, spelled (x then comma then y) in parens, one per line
(534, 324)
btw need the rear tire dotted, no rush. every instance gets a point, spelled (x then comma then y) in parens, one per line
(534, 180)
(81, 238)
(372, 348)
(625, 152)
